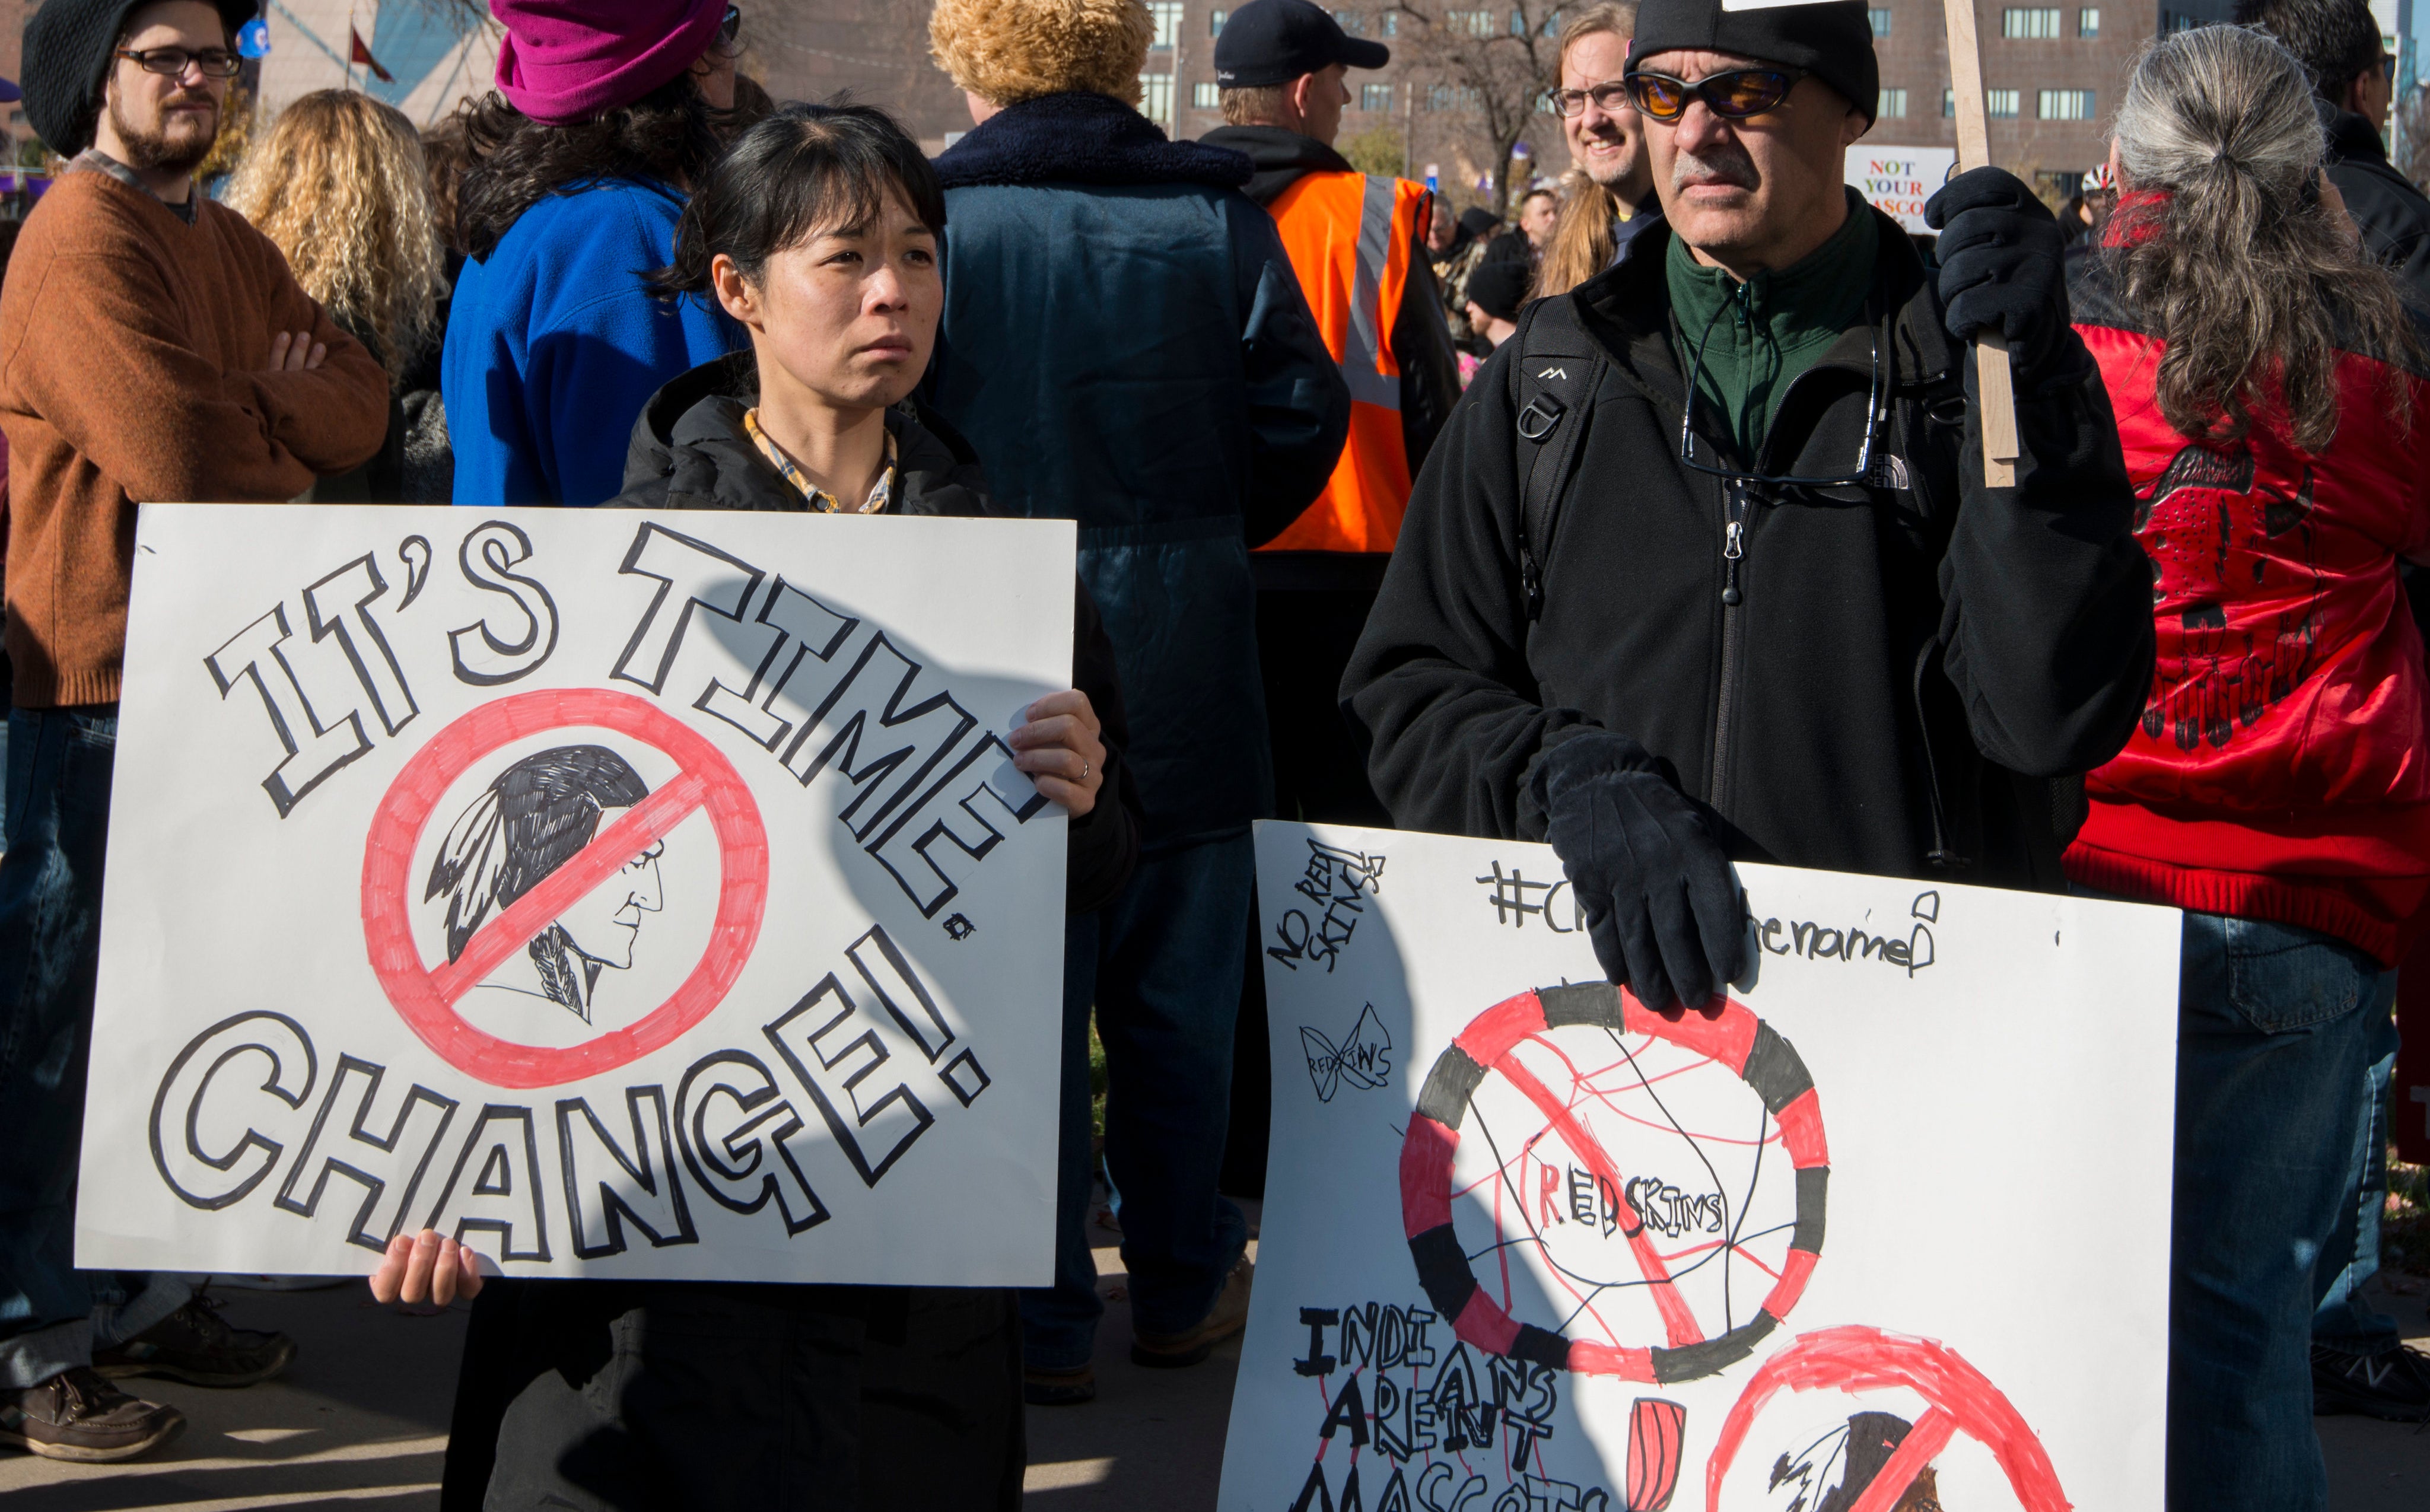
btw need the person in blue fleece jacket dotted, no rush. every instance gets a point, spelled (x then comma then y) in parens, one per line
(604, 114)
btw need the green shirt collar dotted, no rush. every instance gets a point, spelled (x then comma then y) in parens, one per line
(1757, 336)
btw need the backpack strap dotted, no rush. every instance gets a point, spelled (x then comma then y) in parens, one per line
(1556, 373)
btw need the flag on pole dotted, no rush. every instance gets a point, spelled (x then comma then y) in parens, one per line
(362, 54)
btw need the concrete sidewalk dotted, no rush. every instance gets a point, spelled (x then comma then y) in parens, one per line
(363, 1419)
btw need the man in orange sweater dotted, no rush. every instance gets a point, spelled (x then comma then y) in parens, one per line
(153, 346)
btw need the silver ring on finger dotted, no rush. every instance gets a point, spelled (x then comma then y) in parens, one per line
(1084, 769)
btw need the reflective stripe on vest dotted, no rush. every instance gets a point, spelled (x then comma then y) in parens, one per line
(1349, 236)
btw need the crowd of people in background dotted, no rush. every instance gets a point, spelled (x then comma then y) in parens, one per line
(1727, 583)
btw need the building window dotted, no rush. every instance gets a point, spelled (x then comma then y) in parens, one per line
(1470, 23)
(2000, 105)
(1207, 96)
(1374, 96)
(1215, 23)
(1881, 20)
(2066, 105)
(1352, 23)
(1392, 23)
(2177, 21)
(1452, 98)
(1894, 103)
(1167, 16)
(1518, 24)
(1948, 104)
(2087, 22)
(1156, 101)
(2032, 24)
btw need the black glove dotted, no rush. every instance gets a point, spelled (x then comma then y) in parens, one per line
(1662, 905)
(2002, 266)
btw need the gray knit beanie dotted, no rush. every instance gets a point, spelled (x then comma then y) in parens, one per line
(69, 45)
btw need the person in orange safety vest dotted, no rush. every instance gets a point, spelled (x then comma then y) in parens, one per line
(1357, 242)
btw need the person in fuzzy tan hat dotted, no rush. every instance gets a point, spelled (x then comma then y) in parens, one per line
(1004, 54)
(1125, 345)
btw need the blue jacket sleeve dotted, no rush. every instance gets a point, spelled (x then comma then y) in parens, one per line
(1299, 406)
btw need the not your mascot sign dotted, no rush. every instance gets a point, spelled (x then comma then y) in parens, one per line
(628, 894)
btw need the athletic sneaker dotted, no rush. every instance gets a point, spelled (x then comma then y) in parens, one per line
(2394, 1384)
(77, 1415)
(193, 1344)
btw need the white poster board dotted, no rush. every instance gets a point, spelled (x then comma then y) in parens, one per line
(1904, 1199)
(1897, 180)
(627, 894)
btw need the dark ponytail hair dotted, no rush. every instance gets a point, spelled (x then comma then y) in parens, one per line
(803, 169)
(670, 135)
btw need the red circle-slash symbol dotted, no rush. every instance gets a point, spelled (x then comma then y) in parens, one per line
(427, 997)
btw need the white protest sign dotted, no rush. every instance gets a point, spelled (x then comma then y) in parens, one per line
(636, 894)
(1897, 180)
(1896, 1215)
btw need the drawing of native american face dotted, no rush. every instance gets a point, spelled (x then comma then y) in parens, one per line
(2237, 588)
(535, 816)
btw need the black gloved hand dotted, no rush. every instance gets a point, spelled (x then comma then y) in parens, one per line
(2001, 265)
(1661, 904)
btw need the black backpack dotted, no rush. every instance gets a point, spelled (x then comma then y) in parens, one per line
(1557, 368)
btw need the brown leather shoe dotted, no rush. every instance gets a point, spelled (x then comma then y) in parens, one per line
(77, 1415)
(1230, 1313)
(194, 1345)
(1058, 1389)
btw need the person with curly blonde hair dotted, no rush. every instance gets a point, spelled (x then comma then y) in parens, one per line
(1125, 345)
(338, 183)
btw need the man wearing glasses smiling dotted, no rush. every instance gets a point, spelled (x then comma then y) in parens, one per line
(1705, 568)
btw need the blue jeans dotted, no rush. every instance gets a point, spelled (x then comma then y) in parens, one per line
(50, 928)
(2346, 1319)
(2275, 1027)
(1161, 964)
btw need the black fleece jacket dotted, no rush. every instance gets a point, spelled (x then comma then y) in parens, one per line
(689, 451)
(1909, 661)
(1421, 340)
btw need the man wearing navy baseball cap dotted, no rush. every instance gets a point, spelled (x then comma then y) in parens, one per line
(1356, 242)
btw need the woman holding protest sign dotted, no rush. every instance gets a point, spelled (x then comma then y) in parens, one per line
(818, 234)
(2275, 787)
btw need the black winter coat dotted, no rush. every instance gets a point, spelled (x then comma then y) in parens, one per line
(2393, 216)
(1909, 660)
(599, 1395)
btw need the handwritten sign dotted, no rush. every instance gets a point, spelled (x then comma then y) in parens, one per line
(1897, 180)
(1886, 1227)
(627, 894)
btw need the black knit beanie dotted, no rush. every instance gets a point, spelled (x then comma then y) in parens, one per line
(1833, 41)
(69, 45)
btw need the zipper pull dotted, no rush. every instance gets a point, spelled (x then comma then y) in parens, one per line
(1734, 544)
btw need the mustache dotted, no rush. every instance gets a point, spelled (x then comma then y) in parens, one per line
(1733, 167)
(190, 97)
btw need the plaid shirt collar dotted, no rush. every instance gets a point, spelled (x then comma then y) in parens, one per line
(819, 500)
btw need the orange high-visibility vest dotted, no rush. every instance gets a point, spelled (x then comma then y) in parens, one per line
(1349, 237)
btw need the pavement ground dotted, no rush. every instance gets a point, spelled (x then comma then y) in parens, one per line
(361, 1421)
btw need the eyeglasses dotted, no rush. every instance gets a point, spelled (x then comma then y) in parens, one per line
(1608, 98)
(1733, 94)
(730, 28)
(1877, 414)
(215, 63)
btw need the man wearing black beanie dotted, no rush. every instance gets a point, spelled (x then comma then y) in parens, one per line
(153, 346)
(1705, 568)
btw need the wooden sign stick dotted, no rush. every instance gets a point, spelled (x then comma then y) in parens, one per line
(1997, 394)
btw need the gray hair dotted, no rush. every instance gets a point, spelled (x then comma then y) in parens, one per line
(2253, 283)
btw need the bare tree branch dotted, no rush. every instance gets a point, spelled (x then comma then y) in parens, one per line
(1481, 69)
